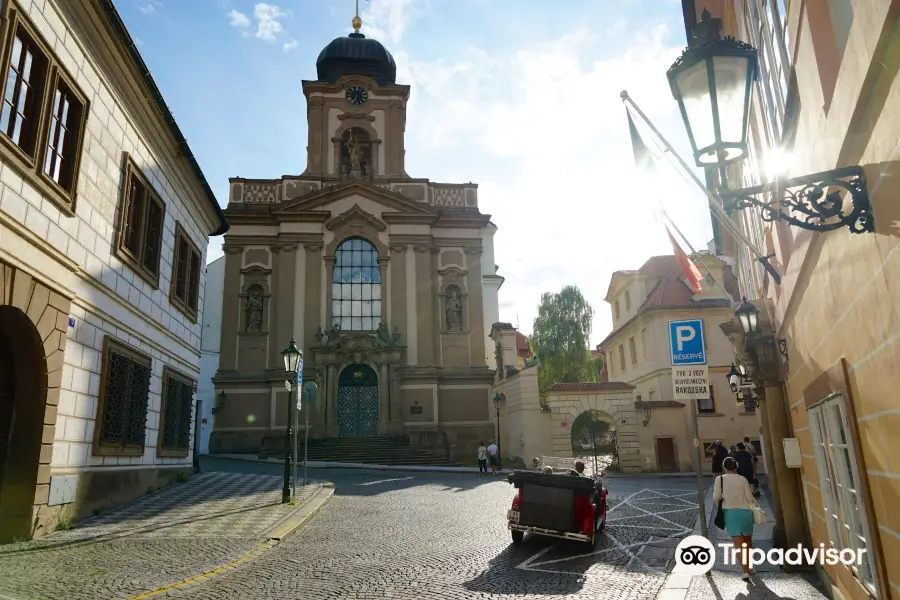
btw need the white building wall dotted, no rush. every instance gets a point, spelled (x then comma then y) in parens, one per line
(210, 344)
(110, 300)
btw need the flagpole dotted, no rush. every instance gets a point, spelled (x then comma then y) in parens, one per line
(713, 198)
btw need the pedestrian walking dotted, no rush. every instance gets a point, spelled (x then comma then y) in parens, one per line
(719, 454)
(482, 459)
(752, 450)
(736, 497)
(744, 462)
(492, 456)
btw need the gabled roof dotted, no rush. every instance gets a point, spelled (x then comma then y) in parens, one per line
(671, 291)
(523, 348)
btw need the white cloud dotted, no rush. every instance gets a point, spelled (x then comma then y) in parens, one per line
(569, 209)
(150, 7)
(268, 25)
(387, 20)
(239, 20)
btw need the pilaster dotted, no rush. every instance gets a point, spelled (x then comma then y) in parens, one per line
(475, 306)
(231, 307)
(313, 293)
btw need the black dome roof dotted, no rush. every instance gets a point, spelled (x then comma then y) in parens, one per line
(356, 55)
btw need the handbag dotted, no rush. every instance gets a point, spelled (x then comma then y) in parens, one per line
(719, 519)
(759, 515)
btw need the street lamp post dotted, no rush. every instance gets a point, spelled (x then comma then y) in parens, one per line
(497, 400)
(292, 360)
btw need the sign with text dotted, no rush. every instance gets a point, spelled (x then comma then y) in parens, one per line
(691, 383)
(686, 342)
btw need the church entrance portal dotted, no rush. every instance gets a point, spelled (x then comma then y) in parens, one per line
(357, 401)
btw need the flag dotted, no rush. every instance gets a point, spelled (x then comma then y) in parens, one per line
(691, 272)
(642, 157)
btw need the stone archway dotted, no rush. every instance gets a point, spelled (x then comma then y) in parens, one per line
(593, 433)
(568, 401)
(33, 322)
(357, 401)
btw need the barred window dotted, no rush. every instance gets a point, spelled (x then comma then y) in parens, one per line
(124, 394)
(177, 409)
(356, 286)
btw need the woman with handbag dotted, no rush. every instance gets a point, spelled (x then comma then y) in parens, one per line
(736, 504)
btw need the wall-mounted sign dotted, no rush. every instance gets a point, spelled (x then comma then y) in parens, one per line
(415, 410)
(792, 457)
(71, 321)
(691, 382)
(565, 423)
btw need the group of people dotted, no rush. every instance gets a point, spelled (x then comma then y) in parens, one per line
(488, 454)
(745, 456)
(736, 487)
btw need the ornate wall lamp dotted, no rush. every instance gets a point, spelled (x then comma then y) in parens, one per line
(712, 82)
(648, 412)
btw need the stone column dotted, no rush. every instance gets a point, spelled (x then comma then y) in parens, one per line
(286, 272)
(475, 309)
(385, 286)
(764, 369)
(231, 307)
(764, 409)
(424, 304)
(313, 294)
(398, 283)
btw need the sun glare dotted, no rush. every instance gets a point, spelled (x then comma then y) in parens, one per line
(777, 163)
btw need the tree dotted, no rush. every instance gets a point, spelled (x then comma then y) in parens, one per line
(561, 333)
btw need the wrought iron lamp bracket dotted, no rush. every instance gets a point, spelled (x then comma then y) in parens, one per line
(648, 411)
(805, 202)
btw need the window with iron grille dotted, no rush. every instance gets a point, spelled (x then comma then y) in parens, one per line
(175, 418)
(186, 269)
(123, 400)
(142, 214)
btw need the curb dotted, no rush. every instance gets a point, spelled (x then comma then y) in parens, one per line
(274, 536)
(304, 513)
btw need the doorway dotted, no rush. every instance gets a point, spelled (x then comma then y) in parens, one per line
(357, 402)
(665, 454)
(7, 400)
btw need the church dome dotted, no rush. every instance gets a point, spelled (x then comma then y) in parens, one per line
(356, 55)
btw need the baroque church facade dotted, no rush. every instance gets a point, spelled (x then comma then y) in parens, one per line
(386, 282)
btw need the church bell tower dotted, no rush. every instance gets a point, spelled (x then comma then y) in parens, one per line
(356, 112)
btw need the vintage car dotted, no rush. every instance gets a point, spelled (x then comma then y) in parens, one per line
(558, 504)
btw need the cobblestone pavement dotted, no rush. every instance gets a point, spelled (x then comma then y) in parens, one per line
(159, 539)
(438, 535)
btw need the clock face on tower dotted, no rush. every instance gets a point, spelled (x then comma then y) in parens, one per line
(357, 95)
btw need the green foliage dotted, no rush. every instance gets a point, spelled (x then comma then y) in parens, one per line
(560, 338)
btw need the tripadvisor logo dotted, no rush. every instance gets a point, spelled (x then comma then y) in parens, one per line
(696, 555)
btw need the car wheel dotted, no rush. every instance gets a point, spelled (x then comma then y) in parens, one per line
(518, 536)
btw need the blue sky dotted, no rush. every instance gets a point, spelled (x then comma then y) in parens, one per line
(521, 97)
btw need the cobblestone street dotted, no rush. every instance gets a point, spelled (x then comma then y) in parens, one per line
(439, 535)
(384, 534)
(156, 540)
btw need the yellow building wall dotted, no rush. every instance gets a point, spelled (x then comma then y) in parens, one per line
(841, 292)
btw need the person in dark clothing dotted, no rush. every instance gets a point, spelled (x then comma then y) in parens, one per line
(719, 454)
(745, 462)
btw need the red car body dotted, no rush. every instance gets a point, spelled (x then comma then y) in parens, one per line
(589, 511)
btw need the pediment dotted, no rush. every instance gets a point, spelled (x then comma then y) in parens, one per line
(355, 216)
(390, 200)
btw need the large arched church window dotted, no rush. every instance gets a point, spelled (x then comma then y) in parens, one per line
(356, 152)
(356, 286)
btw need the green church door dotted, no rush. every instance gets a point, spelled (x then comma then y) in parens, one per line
(357, 402)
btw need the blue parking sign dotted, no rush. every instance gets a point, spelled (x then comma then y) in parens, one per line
(686, 342)
(300, 374)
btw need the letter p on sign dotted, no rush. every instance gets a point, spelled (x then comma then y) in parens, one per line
(684, 334)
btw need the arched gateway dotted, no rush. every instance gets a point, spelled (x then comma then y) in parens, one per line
(357, 401)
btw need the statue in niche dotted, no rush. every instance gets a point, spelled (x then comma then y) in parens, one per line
(353, 151)
(454, 311)
(253, 305)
